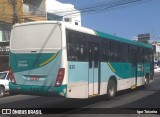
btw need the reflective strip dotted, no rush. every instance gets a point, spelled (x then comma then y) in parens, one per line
(111, 67)
(49, 60)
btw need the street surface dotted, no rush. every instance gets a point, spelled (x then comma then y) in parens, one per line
(125, 101)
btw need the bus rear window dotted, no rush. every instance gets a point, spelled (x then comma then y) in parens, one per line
(37, 36)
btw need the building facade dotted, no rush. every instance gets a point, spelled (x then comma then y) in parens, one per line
(63, 12)
(156, 48)
(16, 11)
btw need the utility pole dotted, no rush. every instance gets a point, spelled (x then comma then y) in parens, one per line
(14, 4)
(153, 37)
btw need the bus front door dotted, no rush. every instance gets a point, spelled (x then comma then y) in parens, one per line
(133, 69)
(93, 80)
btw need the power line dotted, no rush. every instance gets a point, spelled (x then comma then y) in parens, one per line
(103, 6)
(14, 16)
(5, 4)
(14, 5)
(19, 7)
(17, 11)
(42, 12)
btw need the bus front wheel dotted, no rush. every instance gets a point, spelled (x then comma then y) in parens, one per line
(111, 89)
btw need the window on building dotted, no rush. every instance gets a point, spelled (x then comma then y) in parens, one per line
(34, 7)
(76, 23)
(5, 32)
(67, 19)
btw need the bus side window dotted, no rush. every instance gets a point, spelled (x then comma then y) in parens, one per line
(105, 51)
(113, 50)
(146, 55)
(123, 53)
(90, 57)
(76, 46)
(140, 55)
(96, 56)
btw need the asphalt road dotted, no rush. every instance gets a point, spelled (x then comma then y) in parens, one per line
(125, 102)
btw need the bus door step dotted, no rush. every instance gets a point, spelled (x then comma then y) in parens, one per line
(94, 95)
(133, 87)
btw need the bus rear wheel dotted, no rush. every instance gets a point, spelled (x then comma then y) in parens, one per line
(111, 89)
(146, 80)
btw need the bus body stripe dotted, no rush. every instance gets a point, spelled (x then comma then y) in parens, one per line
(111, 67)
(49, 60)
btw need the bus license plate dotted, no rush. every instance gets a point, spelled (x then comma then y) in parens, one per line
(34, 78)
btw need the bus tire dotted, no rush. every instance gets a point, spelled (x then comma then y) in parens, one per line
(2, 92)
(146, 80)
(111, 88)
(12, 93)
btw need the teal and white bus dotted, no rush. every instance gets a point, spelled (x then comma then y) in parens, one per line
(50, 57)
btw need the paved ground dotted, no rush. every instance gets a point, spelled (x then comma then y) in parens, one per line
(125, 102)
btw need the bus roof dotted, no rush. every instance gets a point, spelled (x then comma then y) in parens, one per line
(105, 35)
(116, 38)
(89, 31)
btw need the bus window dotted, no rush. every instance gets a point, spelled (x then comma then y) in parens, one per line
(76, 46)
(105, 51)
(140, 54)
(96, 56)
(113, 50)
(90, 57)
(146, 55)
(123, 52)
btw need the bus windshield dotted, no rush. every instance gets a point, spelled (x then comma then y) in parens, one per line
(36, 36)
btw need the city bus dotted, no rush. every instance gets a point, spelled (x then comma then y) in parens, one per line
(58, 58)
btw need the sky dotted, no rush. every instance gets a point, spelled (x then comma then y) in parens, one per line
(127, 22)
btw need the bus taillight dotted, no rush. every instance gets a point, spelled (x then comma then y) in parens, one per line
(11, 76)
(60, 77)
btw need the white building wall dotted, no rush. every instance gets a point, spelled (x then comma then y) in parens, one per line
(157, 48)
(157, 52)
(67, 11)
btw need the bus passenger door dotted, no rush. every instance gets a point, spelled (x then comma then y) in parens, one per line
(93, 80)
(133, 69)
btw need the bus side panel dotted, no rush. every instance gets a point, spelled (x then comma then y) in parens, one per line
(105, 74)
(123, 70)
(140, 74)
(124, 73)
(119, 71)
(142, 70)
(77, 80)
(147, 68)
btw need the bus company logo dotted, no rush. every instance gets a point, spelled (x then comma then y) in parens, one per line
(22, 63)
(6, 111)
(20, 112)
